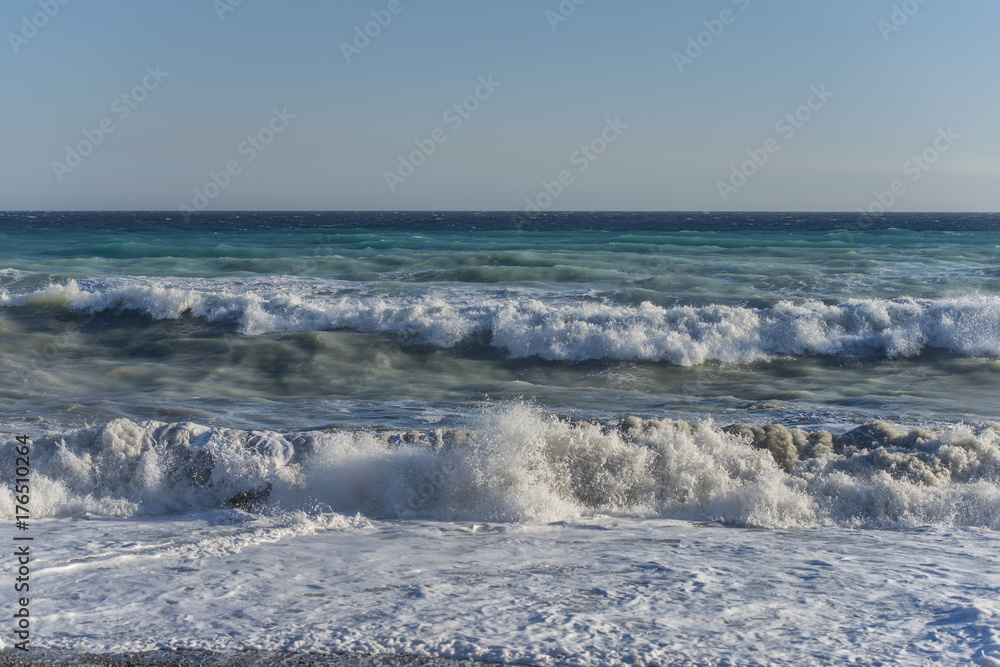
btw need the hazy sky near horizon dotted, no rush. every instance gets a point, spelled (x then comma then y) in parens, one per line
(665, 119)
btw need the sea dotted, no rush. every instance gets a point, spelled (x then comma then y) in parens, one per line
(560, 439)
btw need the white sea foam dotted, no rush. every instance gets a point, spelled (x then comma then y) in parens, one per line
(598, 592)
(554, 326)
(522, 465)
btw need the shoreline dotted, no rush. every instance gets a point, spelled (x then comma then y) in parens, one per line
(200, 658)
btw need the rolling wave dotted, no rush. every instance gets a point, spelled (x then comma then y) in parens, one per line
(552, 326)
(519, 464)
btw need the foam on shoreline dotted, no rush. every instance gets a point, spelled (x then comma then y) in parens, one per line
(195, 658)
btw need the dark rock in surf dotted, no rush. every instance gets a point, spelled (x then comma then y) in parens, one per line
(253, 500)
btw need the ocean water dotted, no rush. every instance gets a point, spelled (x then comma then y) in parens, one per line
(596, 438)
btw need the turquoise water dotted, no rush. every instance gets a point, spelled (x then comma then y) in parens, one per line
(397, 320)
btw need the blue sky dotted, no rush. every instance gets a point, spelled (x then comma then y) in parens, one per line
(894, 94)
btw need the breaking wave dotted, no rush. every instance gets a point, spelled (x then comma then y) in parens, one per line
(554, 326)
(519, 464)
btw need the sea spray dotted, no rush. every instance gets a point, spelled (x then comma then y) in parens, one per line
(521, 464)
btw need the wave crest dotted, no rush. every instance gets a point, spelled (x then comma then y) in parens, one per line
(519, 464)
(555, 327)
